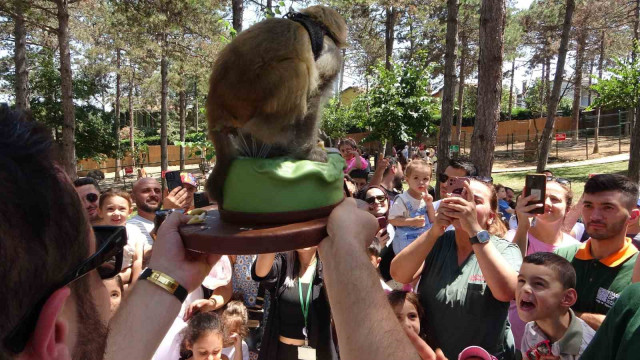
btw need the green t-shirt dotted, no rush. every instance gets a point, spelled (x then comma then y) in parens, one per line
(619, 336)
(599, 282)
(460, 310)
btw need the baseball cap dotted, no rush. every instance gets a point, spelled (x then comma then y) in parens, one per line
(188, 178)
(476, 351)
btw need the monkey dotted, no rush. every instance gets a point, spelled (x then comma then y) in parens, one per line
(267, 87)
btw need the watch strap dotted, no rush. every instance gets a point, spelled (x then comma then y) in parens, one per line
(166, 282)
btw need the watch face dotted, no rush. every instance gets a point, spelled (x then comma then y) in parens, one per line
(483, 236)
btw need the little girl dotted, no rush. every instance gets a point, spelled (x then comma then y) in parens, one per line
(235, 319)
(202, 339)
(407, 308)
(114, 207)
(349, 151)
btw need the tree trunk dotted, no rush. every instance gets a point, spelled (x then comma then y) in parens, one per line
(513, 75)
(68, 155)
(597, 127)
(117, 117)
(448, 89)
(20, 58)
(483, 140)
(131, 120)
(182, 110)
(590, 81)
(269, 7)
(547, 88)
(389, 35)
(577, 84)
(463, 60)
(164, 66)
(195, 97)
(543, 154)
(237, 8)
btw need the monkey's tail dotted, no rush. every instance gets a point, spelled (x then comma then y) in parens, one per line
(224, 158)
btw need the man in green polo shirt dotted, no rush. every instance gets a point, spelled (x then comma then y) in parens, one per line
(604, 263)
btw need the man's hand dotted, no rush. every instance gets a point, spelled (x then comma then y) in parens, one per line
(176, 199)
(342, 219)
(170, 257)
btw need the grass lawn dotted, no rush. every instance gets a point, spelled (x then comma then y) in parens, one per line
(577, 175)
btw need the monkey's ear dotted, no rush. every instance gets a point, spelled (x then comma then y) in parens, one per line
(332, 20)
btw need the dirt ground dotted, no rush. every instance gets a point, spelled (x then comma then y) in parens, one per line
(567, 152)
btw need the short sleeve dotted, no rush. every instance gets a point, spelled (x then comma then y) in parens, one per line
(398, 209)
(511, 253)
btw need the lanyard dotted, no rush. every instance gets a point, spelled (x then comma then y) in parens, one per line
(305, 305)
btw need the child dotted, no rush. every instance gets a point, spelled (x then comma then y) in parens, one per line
(235, 319)
(407, 308)
(505, 210)
(544, 296)
(374, 256)
(116, 289)
(360, 177)
(412, 212)
(475, 353)
(114, 207)
(202, 338)
(349, 151)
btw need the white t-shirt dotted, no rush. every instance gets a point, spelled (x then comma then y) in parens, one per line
(231, 351)
(139, 229)
(399, 208)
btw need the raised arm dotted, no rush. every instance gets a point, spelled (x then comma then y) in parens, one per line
(147, 313)
(523, 211)
(366, 325)
(378, 174)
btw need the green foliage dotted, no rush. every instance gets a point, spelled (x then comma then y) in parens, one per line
(621, 90)
(400, 106)
(199, 146)
(339, 119)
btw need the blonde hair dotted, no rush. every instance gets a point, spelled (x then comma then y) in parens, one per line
(113, 193)
(496, 227)
(415, 164)
(235, 313)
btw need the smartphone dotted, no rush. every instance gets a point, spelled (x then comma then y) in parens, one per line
(382, 222)
(161, 215)
(536, 184)
(456, 184)
(200, 199)
(173, 179)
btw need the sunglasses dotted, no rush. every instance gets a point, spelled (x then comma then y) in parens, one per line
(372, 199)
(91, 197)
(561, 181)
(107, 260)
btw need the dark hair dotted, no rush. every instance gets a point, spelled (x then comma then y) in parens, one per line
(349, 142)
(398, 297)
(560, 266)
(41, 220)
(235, 311)
(392, 162)
(199, 325)
(464, 164)
(86, 181)
(547, 171)
(359, 174)
(614, 182)
(499, 186)
(362, 195)
(506, 188)
(374, 248)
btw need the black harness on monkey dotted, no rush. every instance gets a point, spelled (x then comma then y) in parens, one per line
(316, 31)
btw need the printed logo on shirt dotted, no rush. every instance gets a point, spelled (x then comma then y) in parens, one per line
(606, 297)
(476, 279)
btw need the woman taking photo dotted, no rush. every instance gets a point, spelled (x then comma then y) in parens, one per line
(545, 235)
(378, 205)
(299, 311)
(468, 275)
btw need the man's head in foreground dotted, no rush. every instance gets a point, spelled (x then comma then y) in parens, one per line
(44, 235)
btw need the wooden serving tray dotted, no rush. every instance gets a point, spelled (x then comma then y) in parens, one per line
(220, 237)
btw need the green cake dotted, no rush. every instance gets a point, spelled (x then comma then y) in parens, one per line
(283, 186)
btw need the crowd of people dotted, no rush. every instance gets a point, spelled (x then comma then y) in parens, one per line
(469, 272)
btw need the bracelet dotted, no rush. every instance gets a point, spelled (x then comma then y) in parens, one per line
(166, 282)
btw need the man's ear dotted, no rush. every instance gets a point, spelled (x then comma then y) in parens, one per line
(569, 298)
(49, 338)
(633, 215)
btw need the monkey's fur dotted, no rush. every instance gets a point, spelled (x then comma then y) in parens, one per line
(266, 90)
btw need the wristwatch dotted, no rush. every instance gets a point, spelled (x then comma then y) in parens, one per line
(166, 282)
(482, 237)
